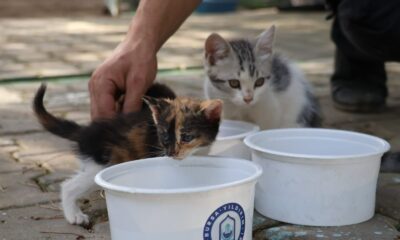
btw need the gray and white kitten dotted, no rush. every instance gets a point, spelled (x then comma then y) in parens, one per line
(257, 85)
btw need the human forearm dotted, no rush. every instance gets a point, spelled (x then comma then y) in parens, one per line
(156, 20)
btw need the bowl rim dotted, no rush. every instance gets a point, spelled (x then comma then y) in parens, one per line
(254, 129)
(197, 161)
(385, 146)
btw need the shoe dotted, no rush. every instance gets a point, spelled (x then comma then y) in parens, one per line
(358, 85)
(358, 98)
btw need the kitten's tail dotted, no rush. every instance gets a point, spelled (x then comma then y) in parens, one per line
(57, 126)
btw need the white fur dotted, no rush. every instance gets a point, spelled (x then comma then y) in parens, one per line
(74, 188)
(264, 105)
(269, 109)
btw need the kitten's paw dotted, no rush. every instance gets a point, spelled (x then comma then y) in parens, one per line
(78, 218)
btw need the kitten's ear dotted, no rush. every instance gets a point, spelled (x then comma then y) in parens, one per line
(265, 41)
(150, 101)
(155, 106)
(212, 109)
(216, 48)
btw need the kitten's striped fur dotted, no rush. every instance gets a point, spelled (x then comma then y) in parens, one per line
(268, 89)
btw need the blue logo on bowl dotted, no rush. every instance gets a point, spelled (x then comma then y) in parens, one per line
(228, 222)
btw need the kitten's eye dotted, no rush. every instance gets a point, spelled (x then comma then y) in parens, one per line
(259, 82)
(234, 83)
(186, 137)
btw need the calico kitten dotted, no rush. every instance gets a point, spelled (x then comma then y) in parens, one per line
(166, 125)
(257, 85)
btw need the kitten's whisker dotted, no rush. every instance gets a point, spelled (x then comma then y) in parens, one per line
(155, 147)
(152, 154)
(157, 152)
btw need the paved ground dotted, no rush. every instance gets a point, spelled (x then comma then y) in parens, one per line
(33, 163)
(54, 46)
(46, 8)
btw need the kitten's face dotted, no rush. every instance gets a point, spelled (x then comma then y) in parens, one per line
(240, 69)
(183, 124)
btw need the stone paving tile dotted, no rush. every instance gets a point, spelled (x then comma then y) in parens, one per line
(334, 117)
(92, 47)
(7, 146)
(387, 129)
(20, 189)
(8, 96)
(181, 84)
(55, 51)
(261, 222)
(80, 57)
(50, 182)
(379, 227)
(45, 222)
(8, 165)
(88, 66)
(15, 108)
(17, 119)
(102, 231)
(388, 196)
(43, 8)
(45, 149)
(27, 89)
(81, 117)
(33, 56)
(52, 68)
(15, 105)
(12, 66)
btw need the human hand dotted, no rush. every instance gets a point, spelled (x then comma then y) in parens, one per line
(133, 65)
(130, 70)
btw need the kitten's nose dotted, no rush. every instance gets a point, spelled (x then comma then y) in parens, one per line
(247, 99)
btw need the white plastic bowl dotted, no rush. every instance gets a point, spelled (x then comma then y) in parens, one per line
(196, 198)
(229, 142)
(317, 177)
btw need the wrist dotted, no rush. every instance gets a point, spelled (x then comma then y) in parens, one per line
(143, 36)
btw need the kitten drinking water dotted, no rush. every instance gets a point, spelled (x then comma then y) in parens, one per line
(258, 85)
(166, 125)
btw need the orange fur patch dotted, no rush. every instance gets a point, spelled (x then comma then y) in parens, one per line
(119, 155)
(136, 137)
